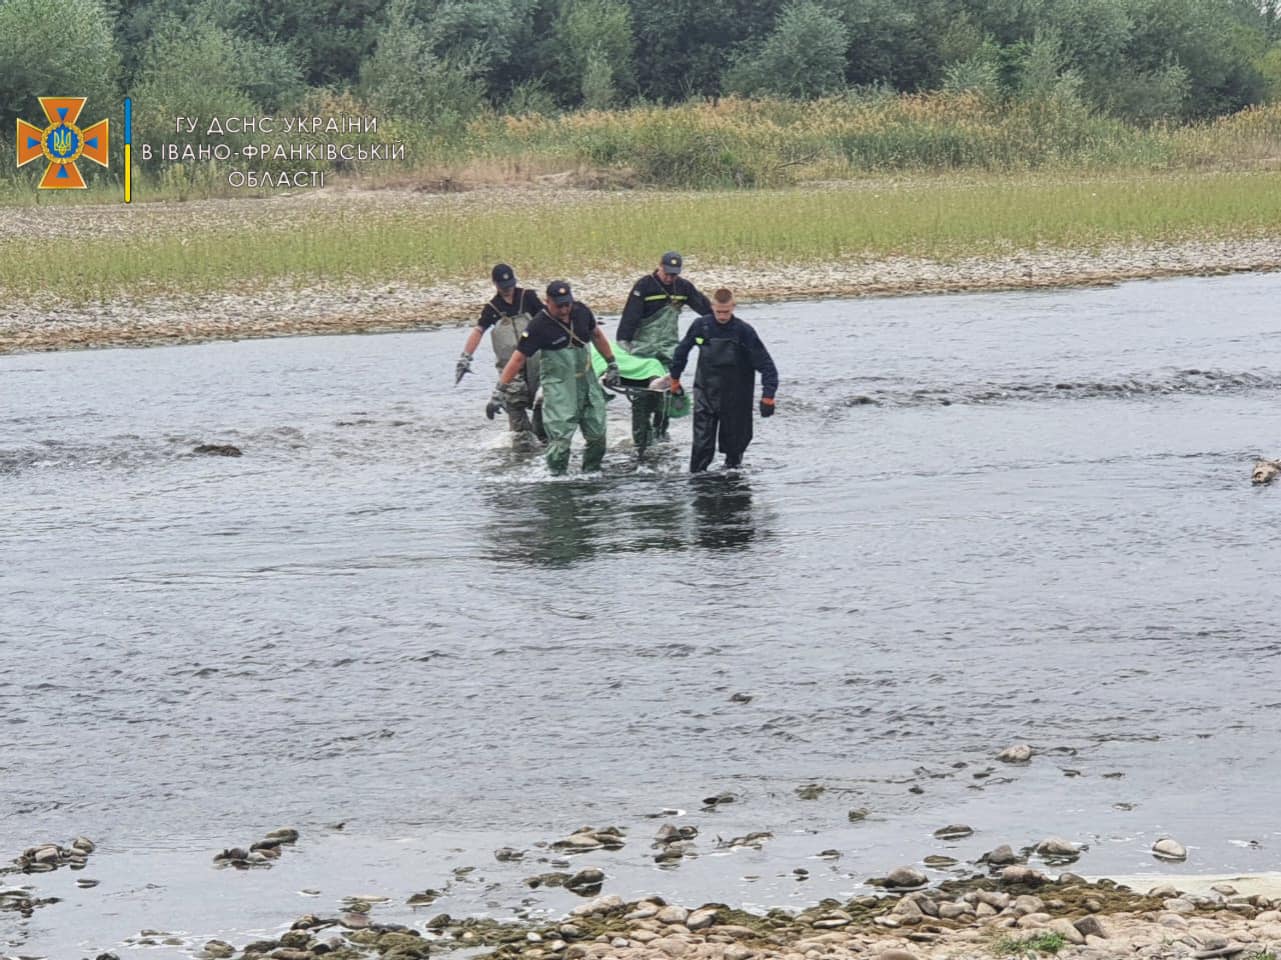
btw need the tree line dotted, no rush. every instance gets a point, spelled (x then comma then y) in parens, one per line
(445, 61)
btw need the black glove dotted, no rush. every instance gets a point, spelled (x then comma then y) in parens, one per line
(497, 400)
(611, 378)
(463, 366)
(767, 406)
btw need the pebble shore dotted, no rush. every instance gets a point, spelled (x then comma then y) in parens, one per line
(981, 917)
(1007, 903)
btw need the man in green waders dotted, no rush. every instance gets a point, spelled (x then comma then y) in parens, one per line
(560, 336)
(648, 328)
(506, 316)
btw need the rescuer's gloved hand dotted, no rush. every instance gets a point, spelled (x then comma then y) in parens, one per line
(462, 367)
(767, 406)
(676, 388)
(612, 379)
(497, 400)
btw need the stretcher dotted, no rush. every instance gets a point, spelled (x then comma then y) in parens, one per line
(641, 377)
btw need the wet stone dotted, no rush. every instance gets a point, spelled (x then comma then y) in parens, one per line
(1001, 856)
(586, 882)
(1020, 874)
(1169, 849)
(1057, 847)
(672, 914)
(906, 877)
(216, 450)
(700, 919)
(1018, 753)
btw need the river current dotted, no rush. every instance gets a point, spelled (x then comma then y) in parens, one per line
(975, 521)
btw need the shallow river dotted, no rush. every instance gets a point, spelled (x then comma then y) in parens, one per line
(975, 521)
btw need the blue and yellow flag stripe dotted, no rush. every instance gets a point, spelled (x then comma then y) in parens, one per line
(128, 150)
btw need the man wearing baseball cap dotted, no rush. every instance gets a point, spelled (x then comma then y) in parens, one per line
(648, 328)
(506, 316)
(561, 336)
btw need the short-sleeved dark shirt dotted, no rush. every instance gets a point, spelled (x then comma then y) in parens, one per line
(545, 332)
(525, 301)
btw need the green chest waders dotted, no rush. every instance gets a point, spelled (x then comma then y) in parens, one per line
(572, 398)
(656, 337)
(504, 335)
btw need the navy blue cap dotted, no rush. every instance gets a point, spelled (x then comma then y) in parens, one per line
(558, 292)
(504, 276)
(671, 263)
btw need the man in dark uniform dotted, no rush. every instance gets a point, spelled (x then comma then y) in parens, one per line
(648, 328)
(506, 316)
(572, 397)
(730, 354)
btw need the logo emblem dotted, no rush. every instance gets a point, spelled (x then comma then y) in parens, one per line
(62, 143)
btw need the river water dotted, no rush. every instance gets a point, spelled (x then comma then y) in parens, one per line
(975, 521)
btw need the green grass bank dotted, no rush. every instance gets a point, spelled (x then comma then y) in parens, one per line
(407, 237)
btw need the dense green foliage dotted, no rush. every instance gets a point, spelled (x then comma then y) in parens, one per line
(431, 70)
(1135, 59)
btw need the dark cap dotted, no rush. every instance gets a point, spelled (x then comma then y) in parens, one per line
(558, 292)
(504, 277)
(671, 262)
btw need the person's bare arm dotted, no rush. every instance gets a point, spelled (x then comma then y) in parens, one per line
(602, 344)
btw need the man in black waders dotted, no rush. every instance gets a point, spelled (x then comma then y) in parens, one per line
(648, 328)
(730, 354)
(572, 396)
(506, 316)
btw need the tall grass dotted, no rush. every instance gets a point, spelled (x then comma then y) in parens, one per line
(753, 143)
(936, 217)
(768, 143)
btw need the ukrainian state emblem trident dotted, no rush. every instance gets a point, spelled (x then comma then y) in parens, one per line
(62, 143)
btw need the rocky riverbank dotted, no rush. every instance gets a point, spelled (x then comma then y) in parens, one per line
(1013, 914)
(42, 322)
(999, 907)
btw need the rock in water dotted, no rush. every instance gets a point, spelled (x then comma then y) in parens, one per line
(217, 450)
(1169, 849)
(1056, 848)
(1019, 753)
(906, 877)
(1265, 471)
